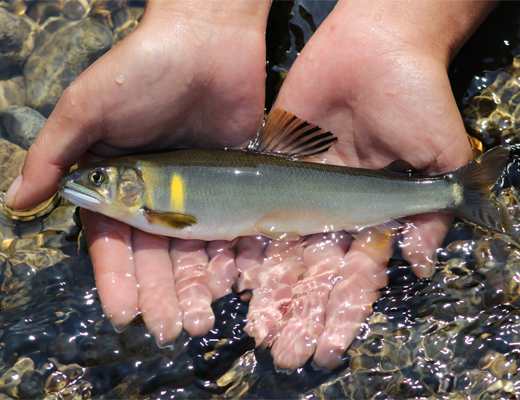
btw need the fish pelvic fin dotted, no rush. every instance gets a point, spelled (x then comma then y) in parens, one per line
(172, 220)
(378, 236)
(288, 136)
(287, 236)
(475, 201)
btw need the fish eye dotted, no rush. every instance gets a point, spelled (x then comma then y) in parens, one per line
(96, 177)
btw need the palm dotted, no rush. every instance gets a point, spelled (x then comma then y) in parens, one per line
(384, 103)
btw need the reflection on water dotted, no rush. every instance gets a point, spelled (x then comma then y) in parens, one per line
(457, 333)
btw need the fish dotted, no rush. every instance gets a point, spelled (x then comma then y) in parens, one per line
(271, 188)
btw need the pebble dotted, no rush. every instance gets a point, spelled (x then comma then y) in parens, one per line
(12, 92)
(21, 124)
(12, 157)
(16, 40)
(55, 64)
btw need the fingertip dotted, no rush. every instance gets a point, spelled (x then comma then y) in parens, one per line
(12, 192)
(111, 252)
(421, 239)
(199, 322)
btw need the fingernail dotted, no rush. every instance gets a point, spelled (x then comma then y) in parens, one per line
(13, 191)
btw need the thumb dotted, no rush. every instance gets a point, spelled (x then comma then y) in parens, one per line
(77, 122)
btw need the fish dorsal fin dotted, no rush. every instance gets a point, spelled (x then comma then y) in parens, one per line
(401, 167)
(286, 135)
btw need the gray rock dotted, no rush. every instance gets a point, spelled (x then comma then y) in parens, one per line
(52, 67)
(11, 161)
(16, 39)
(12, 92)
(76, 9)
(123, 31)
(21, 124)
(48, 28)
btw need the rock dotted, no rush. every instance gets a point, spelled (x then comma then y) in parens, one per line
(123, 31)
(11, 162)
(22, 125)
(12, 92)
(53, 66)
(48, 28)
(76, 9)
(16, 39)
(43, 9)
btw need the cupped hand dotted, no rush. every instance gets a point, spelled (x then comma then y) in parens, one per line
(192, 74)
(376, 76)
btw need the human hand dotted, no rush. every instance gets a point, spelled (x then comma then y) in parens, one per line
(376, 76)
(191, 75)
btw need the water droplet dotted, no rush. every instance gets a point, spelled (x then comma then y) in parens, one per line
(378, 17)
(73, 101)
(120, 79)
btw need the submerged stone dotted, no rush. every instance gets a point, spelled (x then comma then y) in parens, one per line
(123, 31)
(12, 157)
(76, 9)
(12, 92)
(22, 125)
(52, 67)
(16, 39)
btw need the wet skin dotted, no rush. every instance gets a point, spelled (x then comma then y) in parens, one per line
(384, 92)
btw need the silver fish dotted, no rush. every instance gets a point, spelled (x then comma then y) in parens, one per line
(264, 190)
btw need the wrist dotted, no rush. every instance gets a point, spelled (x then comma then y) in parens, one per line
(220, 13)
(437, 28)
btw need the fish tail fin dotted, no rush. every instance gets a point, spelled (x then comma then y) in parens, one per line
(478, 203)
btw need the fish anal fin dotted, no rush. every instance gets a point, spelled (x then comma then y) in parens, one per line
(377, 236)
(286, 135)
(401, 167)
(286, 236)
(172, 220)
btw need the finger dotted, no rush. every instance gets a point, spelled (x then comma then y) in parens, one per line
(281, 269)
(158, 301)
(110, 248)
(221, 271)
(249, 258)
(295, 339)
(363, 273)
(422, 237)
(189, 261)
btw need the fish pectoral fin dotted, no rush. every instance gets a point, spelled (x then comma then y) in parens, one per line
(377, 236)
(286, 135)
(172, 220)
(287, 236)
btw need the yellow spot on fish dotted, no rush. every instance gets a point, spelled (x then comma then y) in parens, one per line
(177, 193)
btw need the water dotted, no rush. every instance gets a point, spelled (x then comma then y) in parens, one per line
(456, 334)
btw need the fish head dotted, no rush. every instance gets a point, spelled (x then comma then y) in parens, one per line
(108, 188)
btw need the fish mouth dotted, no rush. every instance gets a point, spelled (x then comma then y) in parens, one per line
(80, 195)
